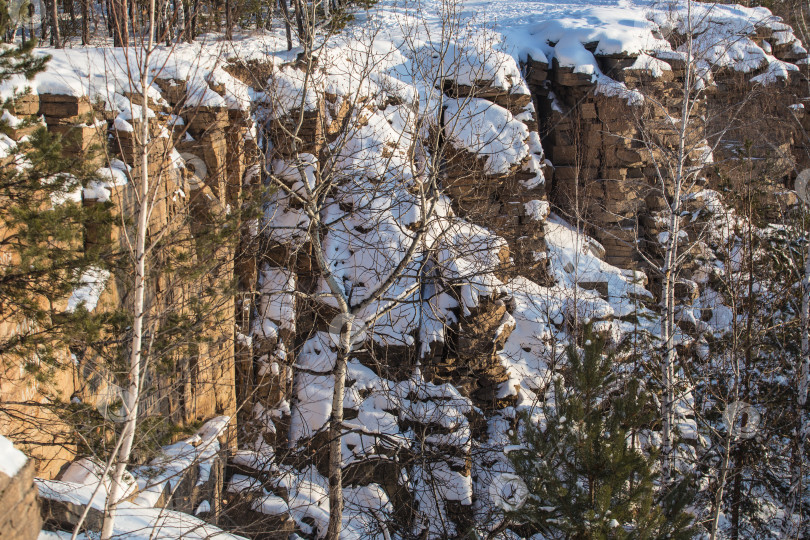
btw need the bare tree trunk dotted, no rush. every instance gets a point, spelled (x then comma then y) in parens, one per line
(667, 333)
(335, 435)
(271, 13)
(132, 394)
(804, 382)
(228, 20)
(191, 20)
(120, 22)
(751, 310)
(110, 18)
(286, 11)
(71, 12)
(736, 493)
(56, 39)
(721, 484)
(299, 19)
(670, 269)
(85, 22)
(186, 19)
(44, 9)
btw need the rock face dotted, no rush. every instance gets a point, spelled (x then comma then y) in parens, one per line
(611, 137)
(419, 418)
(185, 480)
(503, 196)
(20, 518)
(433, 389)
(188, 203)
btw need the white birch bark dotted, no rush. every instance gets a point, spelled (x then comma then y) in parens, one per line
(132, 391)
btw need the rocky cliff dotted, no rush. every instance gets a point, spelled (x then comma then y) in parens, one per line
(470, 332)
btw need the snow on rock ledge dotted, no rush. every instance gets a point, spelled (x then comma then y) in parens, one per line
(487, 130)
(19, 514)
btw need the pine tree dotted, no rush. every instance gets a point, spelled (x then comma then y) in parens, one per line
(586, 477)
(43, 256)
(18, 60)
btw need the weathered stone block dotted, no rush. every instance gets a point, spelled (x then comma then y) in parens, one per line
(27, 105)
(63, 106)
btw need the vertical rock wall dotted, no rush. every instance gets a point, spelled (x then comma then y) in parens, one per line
(188, 202)
(606, 140)
(19, 518)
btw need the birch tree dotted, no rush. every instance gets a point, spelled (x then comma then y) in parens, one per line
(175, 251)
(133, 388)
(680, 149)
(335, 170)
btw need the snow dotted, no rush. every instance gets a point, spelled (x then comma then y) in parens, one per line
(122, 125)
(373, 212)
(169, 468)
(113, 176)
(474, 65)
(290, 89)
(93, 282)
(203, 508)
(282, 223)
(375, 149)
(317, 354)
(777, 70)
(544, 29)
(308, 501)
(289, 172)
(97, 191)
(271, 505)
(59, 535)
(313, 404)
(433, 485)
(277, 300)
(655, 66)
(467, 255)
(133, 521)
(87, 472)
(537, 210)
(367, 510)
(241, 483)
(487, 130)
(11, 459)
(616, 29)
(7, 144)
(10, 119)
(608, 87)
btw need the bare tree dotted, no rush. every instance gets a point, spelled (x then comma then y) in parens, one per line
(363, 205)
(133, 389)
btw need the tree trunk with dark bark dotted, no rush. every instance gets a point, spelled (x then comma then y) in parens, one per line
(85, 22)
(288, 30)
(56, 37)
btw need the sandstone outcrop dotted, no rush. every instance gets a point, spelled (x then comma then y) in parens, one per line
(20, 518)
(609, 143)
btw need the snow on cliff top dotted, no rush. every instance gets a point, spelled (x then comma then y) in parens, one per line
(544, 29)
(548, 30)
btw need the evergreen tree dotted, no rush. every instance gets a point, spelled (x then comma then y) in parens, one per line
(42, 237)
(586, 475)
(18, 60)
(43, 228)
